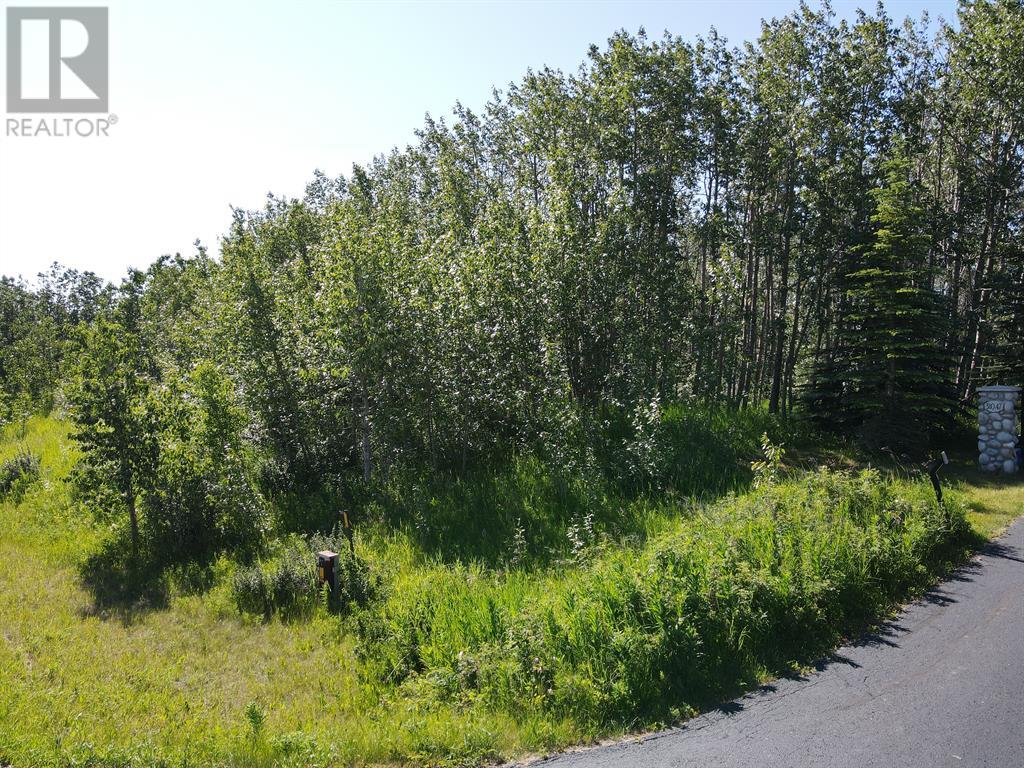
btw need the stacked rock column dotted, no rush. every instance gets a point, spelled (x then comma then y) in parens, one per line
(997, 428)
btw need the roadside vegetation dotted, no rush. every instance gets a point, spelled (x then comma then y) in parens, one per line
(456, 661)
(613, 399)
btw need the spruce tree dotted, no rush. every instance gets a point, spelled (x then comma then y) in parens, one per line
(895, 373)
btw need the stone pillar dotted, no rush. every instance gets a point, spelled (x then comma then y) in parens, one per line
(997, 428)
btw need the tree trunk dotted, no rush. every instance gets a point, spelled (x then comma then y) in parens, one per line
(133, 519)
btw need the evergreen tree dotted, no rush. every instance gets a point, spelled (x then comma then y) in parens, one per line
(895, 372)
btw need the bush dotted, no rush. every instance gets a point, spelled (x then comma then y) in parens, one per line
(250, 590)
(195, 509)
(201, 496)
(17, 473)
(287, 584)
(356, 583)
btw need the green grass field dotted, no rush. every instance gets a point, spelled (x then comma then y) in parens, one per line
(455, 662)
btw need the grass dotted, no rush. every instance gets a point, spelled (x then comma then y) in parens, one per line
(993, 501)
(458, 661)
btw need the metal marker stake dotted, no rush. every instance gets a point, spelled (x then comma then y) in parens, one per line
(933, 473)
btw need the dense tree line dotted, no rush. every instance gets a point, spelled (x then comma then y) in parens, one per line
(38, 328)
(827, 220)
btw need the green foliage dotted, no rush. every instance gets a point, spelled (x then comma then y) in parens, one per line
(287, 584)
(121, 682)
(766, 471)
(835, 207)
(38, 327)
(17, 472)
(1005, 363)
(116, 430)
(169, 453)
(523, 511)
(695, 223)
(526, 353)
(203, 496)
(892, 371)
(750, 585)
(256, 719)
(689, 451)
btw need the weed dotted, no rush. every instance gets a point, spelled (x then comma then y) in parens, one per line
(17, 473)
(256, 719)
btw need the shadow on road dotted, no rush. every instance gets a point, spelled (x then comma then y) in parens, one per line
(883, 634)
(1000, 550)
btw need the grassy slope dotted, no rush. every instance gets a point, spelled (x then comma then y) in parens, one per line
(178, 679)
(993, 502)
(176, 682)
(144, 685)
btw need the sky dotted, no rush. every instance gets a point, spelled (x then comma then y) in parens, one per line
(219, 103)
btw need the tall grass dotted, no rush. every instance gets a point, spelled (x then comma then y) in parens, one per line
(532, 509)
(743, 588)
(624, 610)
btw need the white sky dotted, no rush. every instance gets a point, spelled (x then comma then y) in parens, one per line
(219, 102)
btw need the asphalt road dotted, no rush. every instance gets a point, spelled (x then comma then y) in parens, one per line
(942, 685)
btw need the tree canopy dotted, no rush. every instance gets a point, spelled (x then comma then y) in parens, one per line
(827, 220)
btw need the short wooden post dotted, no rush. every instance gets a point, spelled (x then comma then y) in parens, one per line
(327, 569)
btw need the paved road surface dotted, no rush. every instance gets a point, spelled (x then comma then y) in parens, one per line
(943, 685)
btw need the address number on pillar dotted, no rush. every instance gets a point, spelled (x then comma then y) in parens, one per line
(992, 406)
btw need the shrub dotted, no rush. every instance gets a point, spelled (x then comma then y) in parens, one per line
(356, 583)
(17, 473)
(287, 584)
(250, 590)
(195, 509)
(201, 495)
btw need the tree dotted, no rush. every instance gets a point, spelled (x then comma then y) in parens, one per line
(113, 422)
(668, 222)
(891, 362)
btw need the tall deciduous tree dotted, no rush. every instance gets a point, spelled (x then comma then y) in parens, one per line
(114, 426)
